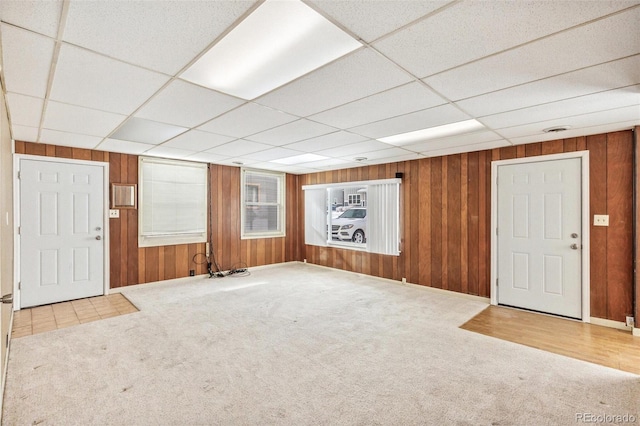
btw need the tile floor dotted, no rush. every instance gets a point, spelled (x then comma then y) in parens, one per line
(66, 314)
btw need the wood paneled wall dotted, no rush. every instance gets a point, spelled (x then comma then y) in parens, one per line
(228, 247)
(446, 212)
(129, 264)
(636, 225)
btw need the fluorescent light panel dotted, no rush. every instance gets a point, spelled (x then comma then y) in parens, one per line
(298, 159)
(279, 42)
(452, 129)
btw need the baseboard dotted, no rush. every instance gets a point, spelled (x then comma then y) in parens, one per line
(390, 281)
(609, 323)
(636, 331)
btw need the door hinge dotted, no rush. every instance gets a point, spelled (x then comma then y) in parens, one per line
(496, 231)
(496, 282)
(18, 174)
(19, 285)
(18, 230)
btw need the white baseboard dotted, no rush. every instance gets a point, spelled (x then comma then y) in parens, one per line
(609, 323)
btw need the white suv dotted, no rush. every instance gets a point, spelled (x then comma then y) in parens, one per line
(350, 225)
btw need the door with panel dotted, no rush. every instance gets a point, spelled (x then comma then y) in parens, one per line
(61, 231)
(539, 241)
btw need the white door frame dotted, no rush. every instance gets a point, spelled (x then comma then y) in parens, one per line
(16, 212)
(585, 252)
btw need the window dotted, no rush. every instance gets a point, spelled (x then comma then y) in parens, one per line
(359, 215)
(173, 202)
(262, 210)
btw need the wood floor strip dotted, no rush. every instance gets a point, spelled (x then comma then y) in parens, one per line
(587, 342)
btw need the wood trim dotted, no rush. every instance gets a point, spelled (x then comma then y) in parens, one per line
(636, 226)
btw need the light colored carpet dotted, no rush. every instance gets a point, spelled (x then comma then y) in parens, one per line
(299, 344)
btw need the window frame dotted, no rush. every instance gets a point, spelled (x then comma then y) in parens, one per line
(312, 220)
(177, 238)
(281, 204)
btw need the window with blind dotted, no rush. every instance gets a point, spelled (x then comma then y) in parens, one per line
(172, 201)
(262, 209)
(359, 215)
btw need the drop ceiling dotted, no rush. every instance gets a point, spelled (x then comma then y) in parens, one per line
(111, 76)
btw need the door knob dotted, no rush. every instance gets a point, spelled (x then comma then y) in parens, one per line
(98, 228)
(7, 298)
(98, 237)
(574, 246)
(574, 235)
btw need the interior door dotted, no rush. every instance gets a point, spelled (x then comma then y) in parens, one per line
(539, 241)
(61, 231)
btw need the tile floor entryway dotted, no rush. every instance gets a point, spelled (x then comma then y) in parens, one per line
(66, 314)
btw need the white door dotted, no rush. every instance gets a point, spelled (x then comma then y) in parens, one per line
(539, 241)
(61, 231)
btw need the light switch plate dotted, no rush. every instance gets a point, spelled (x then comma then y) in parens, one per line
(600, 220)
(114, 213)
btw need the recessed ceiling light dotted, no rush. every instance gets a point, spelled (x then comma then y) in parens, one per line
(360, 159)
(277, 43)
(556, 129)
(452, 129)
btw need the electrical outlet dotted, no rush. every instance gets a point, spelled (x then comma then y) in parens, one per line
(600, 220)
(404, 280)
(114, 213)
(630, 321)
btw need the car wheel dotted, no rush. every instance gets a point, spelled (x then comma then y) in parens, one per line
(358, 237)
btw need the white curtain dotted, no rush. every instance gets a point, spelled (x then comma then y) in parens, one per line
(315, 217)
(383, 219)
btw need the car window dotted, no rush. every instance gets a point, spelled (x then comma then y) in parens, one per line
(353, 214)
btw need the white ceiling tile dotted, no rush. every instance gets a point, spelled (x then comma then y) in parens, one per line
(24, 133)
(331, 140)
(55, 137)
(453, 141)
(247, 120)
(272, 154)
(195, 140)
(471, 30)
(572, 133)
(595, 79)
(25, 110)
(75, 119)
(601, 101)
(185, 104)
(301, 158)
(389, 153)
(161, 35)
(207, 157)
(580, 121)
(39, 16)
(125, 147)
(419, 120)
(352, 77)
(26, 60)
(86, 79)
(466, 148)
(239, 162)
(239, 148)
(292, 132)
(146, 131)
(398, 101)
(608, 39)
(371, 20)
(395, 159)
(354, 149)
(169, 152)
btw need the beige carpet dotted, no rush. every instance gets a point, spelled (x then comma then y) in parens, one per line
(299, 344)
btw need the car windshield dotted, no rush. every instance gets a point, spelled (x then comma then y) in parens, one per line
(353, 214)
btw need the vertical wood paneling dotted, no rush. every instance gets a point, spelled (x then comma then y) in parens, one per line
(473, 209)
(597, 146)
(436, 222)
(424, 222)
(620, 210)
(636, 219)
(454, 229)
(463, 249)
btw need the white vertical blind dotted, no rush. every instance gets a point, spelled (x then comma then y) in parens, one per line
(173, 202)
(383, 219)
(315, 217)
